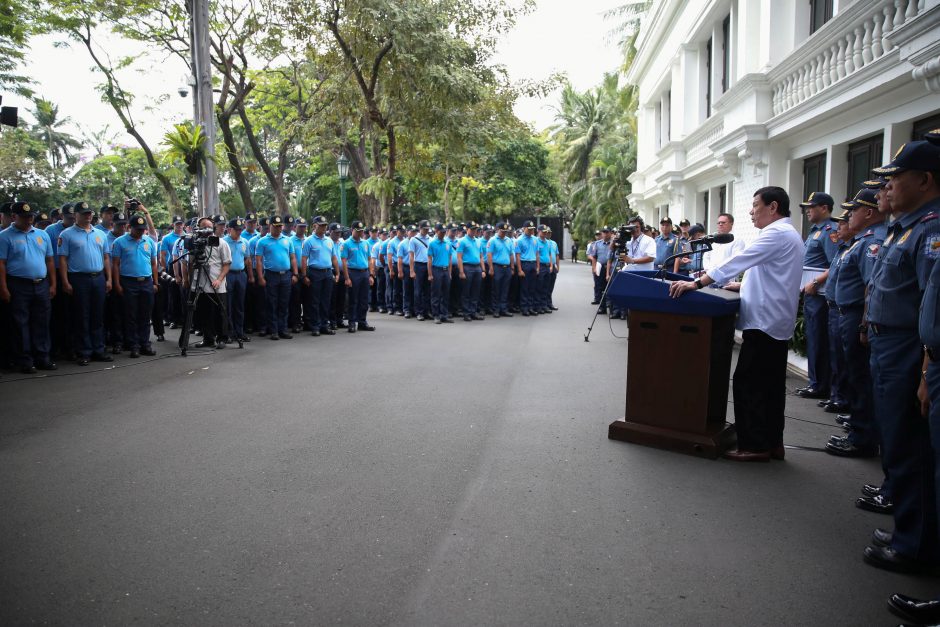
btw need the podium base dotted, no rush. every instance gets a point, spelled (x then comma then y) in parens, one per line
(710, 444)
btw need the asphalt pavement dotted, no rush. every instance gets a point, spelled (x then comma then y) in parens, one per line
(419, 475)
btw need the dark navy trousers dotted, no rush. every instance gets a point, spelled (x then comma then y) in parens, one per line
(358, 296)
(138, 306)
(88, 306)
(502, 276)
(440, 293)
(319, 297)
(836, 357)
(236, 288)
(528, 290)
(816, 316)
(30, 309)
(422, 289)
(277, 300)
(470, 297)
(896, 359)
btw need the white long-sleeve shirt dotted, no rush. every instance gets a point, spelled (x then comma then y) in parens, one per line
(770, 292)
(721, 253)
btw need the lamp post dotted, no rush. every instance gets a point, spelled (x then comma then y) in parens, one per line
(342, 164)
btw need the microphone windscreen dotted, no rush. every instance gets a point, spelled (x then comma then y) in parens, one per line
(722, 238)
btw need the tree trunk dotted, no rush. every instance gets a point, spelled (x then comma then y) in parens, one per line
(447, 217)
(235, 165)
(280, 198)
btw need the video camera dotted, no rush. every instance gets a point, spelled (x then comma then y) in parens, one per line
(198, 241)
(624, 233)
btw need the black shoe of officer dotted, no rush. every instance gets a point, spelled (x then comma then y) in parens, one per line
(843, 418)
(82, 361)
(914, 610)
(878, 504)
(880, 537)
(421, 318)
(476, 317)
(506, 314)
(49, 365)
(365, 327)
(28, 370)
(468, 318)
(352, 328)
(327, 331)
(134, 354)
(870, 489)
(285, 336)
(808, 392)
(244, 338)
(149, 352)
(553, 308)
(219, 345)
(315, 333)
(115, 350)
(845, 448)
(204, 344)
(161, 338)
(887, 558)
(836, 408)
(447, 321)
(340, 325)
(101, 357)
(439, 321)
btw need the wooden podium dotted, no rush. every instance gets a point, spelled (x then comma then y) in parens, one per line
(678, 365)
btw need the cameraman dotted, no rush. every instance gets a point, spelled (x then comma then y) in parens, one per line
(637, 253)
(209, 277)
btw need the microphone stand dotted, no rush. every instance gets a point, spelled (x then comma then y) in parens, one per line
(703, 248)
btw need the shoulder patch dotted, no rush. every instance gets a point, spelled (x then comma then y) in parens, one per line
(930, 216)
(932, 246)
(889, 239)
(817, 234)
(828, 227)
(904, 237)
(872, 250)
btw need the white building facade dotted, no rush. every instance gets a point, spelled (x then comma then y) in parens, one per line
(805, 94)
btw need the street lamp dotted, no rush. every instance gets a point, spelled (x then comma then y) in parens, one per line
(342, 164)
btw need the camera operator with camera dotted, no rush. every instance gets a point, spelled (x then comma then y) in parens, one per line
(635, 249)
(204, 270)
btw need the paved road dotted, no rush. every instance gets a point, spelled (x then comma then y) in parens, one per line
(420, 475)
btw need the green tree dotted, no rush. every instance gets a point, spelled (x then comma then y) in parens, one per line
(25, 173)
(48, 128)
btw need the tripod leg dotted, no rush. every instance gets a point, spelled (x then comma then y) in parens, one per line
(188, 320)
(610, 280)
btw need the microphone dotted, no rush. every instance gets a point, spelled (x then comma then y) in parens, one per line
(718, 238)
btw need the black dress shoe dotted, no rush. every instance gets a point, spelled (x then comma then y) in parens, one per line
(161, 338)
(365, 327)
(476, 317)
(914, 610)
(880, 537)
(843, 418)
(824, 403)
(553, 308)
(447, 321)
(82, 361)
(28, 370)
(203, 344)
(341, 325)
(315, 333)
(438, 321)
(468, 318)
(595, 302)
(870, 489)
(101, 357)
(134, 354)
(845, 448)
(352, 328)
(407, 316)
(837, 439)
(506, 314)
(273, 336)
(285, 336)
(421, 318)
(327, 332)
(888, 559)
(809, 392)
(244, 338)
(525, 313)
(262, 333)
(836, 408)
(49, 365)
(115, 350)
(878, 504)
(219, 346)
(173, 325)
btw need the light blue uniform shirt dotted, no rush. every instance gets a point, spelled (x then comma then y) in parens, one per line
(391, 248)
(554, 253)
(356, 254)
(166, 246)
(453, 248)
(85, 250)
(25, 252)
(239, 251)
(297, 243)
(274, 252)
(527, 247)
(53, 231)
(403, 248)
(501, 249)
(470, 249)
(101, 228)
(376, 254)
(545, 252)
(135, 254)
(419, 246)
(439, 252)
(111, 238)
(252, 243)
(319, 251)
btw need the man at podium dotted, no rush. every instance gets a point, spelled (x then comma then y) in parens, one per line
(770, 295)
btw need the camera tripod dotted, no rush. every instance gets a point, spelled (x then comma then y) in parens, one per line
(610, 279)
(199, 270)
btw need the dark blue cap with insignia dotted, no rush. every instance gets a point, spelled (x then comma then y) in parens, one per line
(138, 222)
(251, 217)
(81, 206)
(218, 219)
(933, 136)
(288, 219)
(20, 209)
(876, 183)
(439, 227)
(263, 222)
(357, 226)
(68, 209)
(334, 226)
(920, 155)
(817, 199)
(300, 222)
(236, 223)
(106, 207)
(276, 220)
(865, 197)
(425, 224)
(318, 220)
(119, 218)
(844, 216)
(55, 213)
(178, 220)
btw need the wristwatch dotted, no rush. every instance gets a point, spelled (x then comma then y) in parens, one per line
(698, 284)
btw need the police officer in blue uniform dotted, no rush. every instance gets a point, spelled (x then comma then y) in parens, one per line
(378, 252)
(319, 260)
(418, 269)
(667, 243)
(174, 300)
(134, 263)
(28, 284)
(602, 255)
(85, 275)
(818, 253)
(60, 328)
(236, 281)
(394, 287)
(545, 270)
(527, 267)
(837, 402)
(114, 303)
(895, 293)
(471, 268)
(499, 257)
(358, 272)
(440, 261)
(297, 319)
(407, 282)
(276, 269)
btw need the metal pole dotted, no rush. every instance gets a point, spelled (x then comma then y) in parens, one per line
(342, 200)
(200, 201)
(205, 107)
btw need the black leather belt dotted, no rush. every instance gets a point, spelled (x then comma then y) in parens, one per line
(881, 329)
(848, 309)
(278, 271)
(139, 279)
(91, 274)
(501, 265)
(31, 281)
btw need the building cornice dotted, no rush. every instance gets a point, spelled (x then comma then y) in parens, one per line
(747, 85)
(653, 29)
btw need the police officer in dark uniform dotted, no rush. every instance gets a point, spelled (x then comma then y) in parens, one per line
(358, 273)
(62, 336)
(499, 256)
(837, 402)
(85, 275)
(895, 293)
(28, 284)
(816, 258)
(418, 270)
(236, 288)
(134, 264)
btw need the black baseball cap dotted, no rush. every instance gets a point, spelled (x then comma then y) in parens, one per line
(106, 208)
(300, 222)
(137, 222)
(236, 223)
(528, 224)
(357, 226)
(318, 220)
(21, 208)
(178, 220)
(864, 198)
(818, 198)
(251, 217)
(274, 220)
(82, 207)
(119, 218)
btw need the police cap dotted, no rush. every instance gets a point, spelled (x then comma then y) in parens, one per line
(68, 209)
(876, 183)
(263, 222)
(276, 220)
(318, 220)
(236, 223)
(300, 222)
(424, 224)
(288, 219)
(20, 209)
(119, 218)
(528, 224)
(818, 198)
(251, 217)
(138, 222)
(178, 219)
(919, 155)
(105, 208)
(82, 207)
(357, 226)
(439, 227)
(696, 228)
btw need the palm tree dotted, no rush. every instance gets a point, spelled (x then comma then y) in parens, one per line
(59, 144)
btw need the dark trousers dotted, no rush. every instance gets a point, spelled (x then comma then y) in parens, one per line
(600, 282)
(440, 292)
(138, 307)
(60, 327)
(760, 392)
(422, 289)
(408, 292)
(397, 295)
(158, 312)
(277, 299)
(896, 359)
(470, 299)
(6, 339)
(114, 319)
(254, 307)
(236, 288)
(486, 294)
(816, 316)
(542, 287)
(456, 288)
(502, 276)
(857, 389)
(836, 357)
(358, 296)
(295, 306)
(380, 284)
(88, 302)
(174, 304)
(209, 315)
(30, 310)
(338, 303)
(528, 288)
(389, 291)
(515, 291)
(319, 295)
(933, 389)
(551, 288)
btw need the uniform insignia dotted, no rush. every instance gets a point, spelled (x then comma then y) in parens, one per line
(834, 238)
(898, 152)
(870, 232)
(889, 239)
(904, 237)
(932, 247)
(873, 250)
(930, 216)
(818, 233)
(97, 240)
(828, 227)
(39, 240)
(146, 247)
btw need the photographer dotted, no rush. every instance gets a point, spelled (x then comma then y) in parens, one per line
(205, 269)
(636, 253)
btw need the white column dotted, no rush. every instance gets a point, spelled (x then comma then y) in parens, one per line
(894, 136)
(837, 170)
